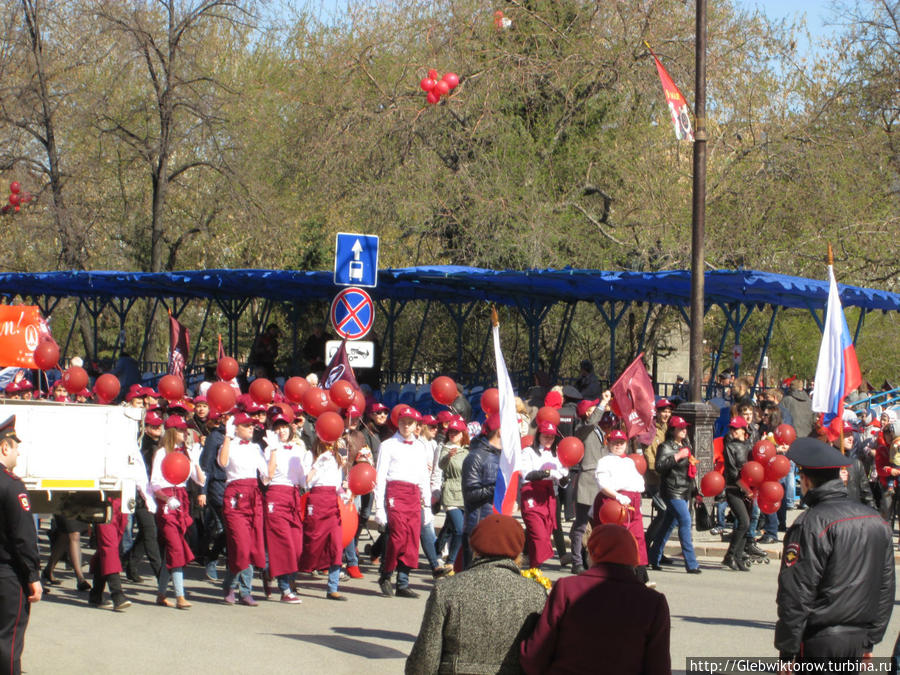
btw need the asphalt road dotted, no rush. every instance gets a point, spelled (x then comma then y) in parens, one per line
(717, 613)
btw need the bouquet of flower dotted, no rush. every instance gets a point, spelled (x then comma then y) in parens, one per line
(538, 576)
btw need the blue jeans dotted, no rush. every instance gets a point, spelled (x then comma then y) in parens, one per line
(677, 512)
(428, 537)
(284, 583)
(334, 576)
(721, 507)
(790, 488)
(452, 530)
(177, 575)
(127, 537)
(350, 554)
(243, 581)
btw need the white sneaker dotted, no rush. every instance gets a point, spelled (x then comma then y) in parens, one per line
(440, 562)
(650, 584)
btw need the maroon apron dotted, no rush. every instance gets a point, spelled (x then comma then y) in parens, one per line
(322, 534)
(539, 514)
(171, 526)
(283, 528)
(242, 508)
(109, 537)
(403, 504)
(634, 522)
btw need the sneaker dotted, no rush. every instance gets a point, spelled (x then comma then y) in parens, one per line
(694, 570)
(353, 572)
(212, 574)
(248, 600)
(650, 584)
(343, 576)
(666, 560)
(387, 589)
(229, 598)
(406, 592)
(100, 604)
(767, 539)
(439, 572)
(121, 605)
(716, 530)
(290, 599)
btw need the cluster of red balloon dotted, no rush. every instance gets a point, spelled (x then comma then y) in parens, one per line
(16, 197)
(436, 86)
(762, 473)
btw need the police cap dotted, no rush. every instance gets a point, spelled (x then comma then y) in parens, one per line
(811, 453)
(8, 429)
(571, 393)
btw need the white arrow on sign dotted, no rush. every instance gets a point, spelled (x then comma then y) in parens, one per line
(357, 249)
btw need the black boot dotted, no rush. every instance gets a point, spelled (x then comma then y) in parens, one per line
(735, 562)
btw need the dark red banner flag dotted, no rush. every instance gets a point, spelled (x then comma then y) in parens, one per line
(635, 401)
(338, 369)
(179, 346)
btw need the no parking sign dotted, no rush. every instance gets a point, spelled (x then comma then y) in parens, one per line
(352, 313)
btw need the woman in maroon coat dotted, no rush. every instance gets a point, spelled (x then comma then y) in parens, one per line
(605, 610)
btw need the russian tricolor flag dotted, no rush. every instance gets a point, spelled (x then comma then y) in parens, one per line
(506, 490)
(837, 372)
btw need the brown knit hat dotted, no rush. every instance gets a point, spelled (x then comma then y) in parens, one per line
(498, 535)
(613, 544)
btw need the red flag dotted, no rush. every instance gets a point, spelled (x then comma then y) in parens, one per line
(678, 106)
(339, 369)
(635, 401)
(179, 346)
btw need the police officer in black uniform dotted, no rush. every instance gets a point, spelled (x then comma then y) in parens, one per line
(20, 565)
(836, 583)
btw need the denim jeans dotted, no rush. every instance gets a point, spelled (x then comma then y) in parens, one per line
(350, 554)
(677, 513)
(284, 583)
(177, 575)
(402, 576)
(452, 531)
(334, 576)
(243, 581)
(428, 537)
(721, 507)
(790, 487)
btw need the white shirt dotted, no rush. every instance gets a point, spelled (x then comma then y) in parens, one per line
(402, 460)
(158, 481)
(292, 462)
(137, 470)
(325, 472)
(617, 474)
(545, 461)
(435, 475)
(245, 458)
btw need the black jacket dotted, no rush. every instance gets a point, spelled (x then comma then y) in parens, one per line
(837, 570)
(858, 488)
(736, 455)
(673, 475)
(214, 487)
(479, 474)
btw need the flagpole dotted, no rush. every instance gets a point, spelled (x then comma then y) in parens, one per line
(830, 260)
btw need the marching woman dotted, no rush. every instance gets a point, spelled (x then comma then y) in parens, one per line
(172, 517)
(542, 471)
(618, 479)
(322, 534)
(289, 461)
(677, 467)
(453, 453)
(738, 495)
(243, 461)
(402, 486)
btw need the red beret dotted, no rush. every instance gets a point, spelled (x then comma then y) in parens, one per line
(611, 543)
(498, 535)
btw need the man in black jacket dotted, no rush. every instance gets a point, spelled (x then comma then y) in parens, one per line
(213, 491)
(479, 476)
(836, 584)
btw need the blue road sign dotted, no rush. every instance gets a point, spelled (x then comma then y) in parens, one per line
(352, 313)
(356, 260)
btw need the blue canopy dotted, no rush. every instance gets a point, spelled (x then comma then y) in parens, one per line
(455, 284)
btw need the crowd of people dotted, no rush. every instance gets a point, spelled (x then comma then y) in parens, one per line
(265, 493)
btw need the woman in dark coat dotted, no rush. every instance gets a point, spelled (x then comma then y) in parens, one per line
(737, 453)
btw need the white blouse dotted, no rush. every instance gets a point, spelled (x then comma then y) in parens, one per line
(403, 460)
(245, 459)
(158, 481)
(325, 472)
(292, 462)
(617, 474)
(545, 461)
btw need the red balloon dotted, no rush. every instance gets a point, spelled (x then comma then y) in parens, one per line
(176, 467)
(14, 199)
(46, 356)
(770, 491)
(432, 98)
(359, 400)
(768, 507)
(570, 451)
(171, 387)
(443, 390)
(612, 512)
(74, 379)
(349, 521)
(262, 391)
(107, 387)
(712, 484)
(441, 88)
(427, 84)
(342, 393)
(395, 414)
(361, 479)
(548, 414)
(433, 74)
(315, 401)
(14, 187)
(778, 467)
(640, 462)
(295, 387)
(753, 473)
(329, 427)
(452, 79)
(221, 397)
(763, 451)
(785, 434)
(227, 368)
(490, 401)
